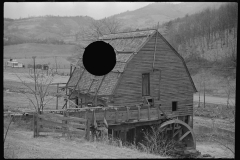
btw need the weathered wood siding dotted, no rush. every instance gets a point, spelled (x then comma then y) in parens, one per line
(175, 84)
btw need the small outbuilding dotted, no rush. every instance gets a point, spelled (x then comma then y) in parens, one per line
(14, 64)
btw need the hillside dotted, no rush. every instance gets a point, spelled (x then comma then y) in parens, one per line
(207, 38)
(67, 29)
(151, 14)
(41, 50)
(61, 28)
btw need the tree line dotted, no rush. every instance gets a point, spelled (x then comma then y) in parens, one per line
(209, 24)
(13, 40)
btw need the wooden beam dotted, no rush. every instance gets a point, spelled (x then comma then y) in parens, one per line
(123, 37)
(162, 111)
(154, 51)
(99, 87)
(128, 113)
(139, 112)
(116, 115)
(87, 129)
(149, 112)
(178, 131)
(159, 91)
(184, 135)
(57, 97)
(77, 83)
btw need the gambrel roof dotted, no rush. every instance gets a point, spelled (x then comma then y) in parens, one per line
(126, 45)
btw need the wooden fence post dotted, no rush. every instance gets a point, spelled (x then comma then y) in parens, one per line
(34, 125)
(63, 127)
(37, 125)
(66, 114)
(57, 98)
(148, 112)
(87, 126)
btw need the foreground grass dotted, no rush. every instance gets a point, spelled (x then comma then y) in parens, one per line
(21, 144)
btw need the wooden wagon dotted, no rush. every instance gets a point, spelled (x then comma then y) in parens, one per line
(150, 84)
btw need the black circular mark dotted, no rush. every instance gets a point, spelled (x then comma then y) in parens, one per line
(99, 58)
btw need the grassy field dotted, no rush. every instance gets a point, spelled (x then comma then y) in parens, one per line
(45, 53)
(60, 71)
(214, 85)
(21, 144)
(28, 50)
(215, 111)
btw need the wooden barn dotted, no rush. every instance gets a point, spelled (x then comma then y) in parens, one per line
(148, 70)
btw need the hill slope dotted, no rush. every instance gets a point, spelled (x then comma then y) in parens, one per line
(66, 28)
(61, 28)
(151, 14)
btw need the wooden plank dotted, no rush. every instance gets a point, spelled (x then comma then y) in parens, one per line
(116, 115)
(87, 130)
(34, 125)
(47, 123)
(148, 112)
(75, 125)
(184, 135)
(127, 113)
(57, 98)
(46, 130)
(60, 117)
(37, 124)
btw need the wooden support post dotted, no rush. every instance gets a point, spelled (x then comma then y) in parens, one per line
(112, 134)
(87, 127)
(34, 125)
(67, 105)
(57, 98)
(124, 136)
(128, 113)
(134, 141)
(37, 125)
(149, 112)
(139, 109)
(70, 70)
(66, 114)
(116, 115)
(159, 115)
(173, 129)
(63, 128)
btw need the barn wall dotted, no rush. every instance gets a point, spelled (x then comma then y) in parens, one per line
(175, 84)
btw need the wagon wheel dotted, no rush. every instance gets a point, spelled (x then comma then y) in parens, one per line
(179, 131)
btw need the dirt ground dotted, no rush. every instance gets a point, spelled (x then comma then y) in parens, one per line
(214, 149)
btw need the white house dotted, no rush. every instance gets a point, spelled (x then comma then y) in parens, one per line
(14, 64)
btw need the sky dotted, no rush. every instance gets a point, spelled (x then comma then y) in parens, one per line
(96, 10)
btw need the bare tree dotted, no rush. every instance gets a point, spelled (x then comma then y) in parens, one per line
(40, 92)
(101, 27)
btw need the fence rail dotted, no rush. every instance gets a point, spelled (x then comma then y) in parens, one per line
(70, 126)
